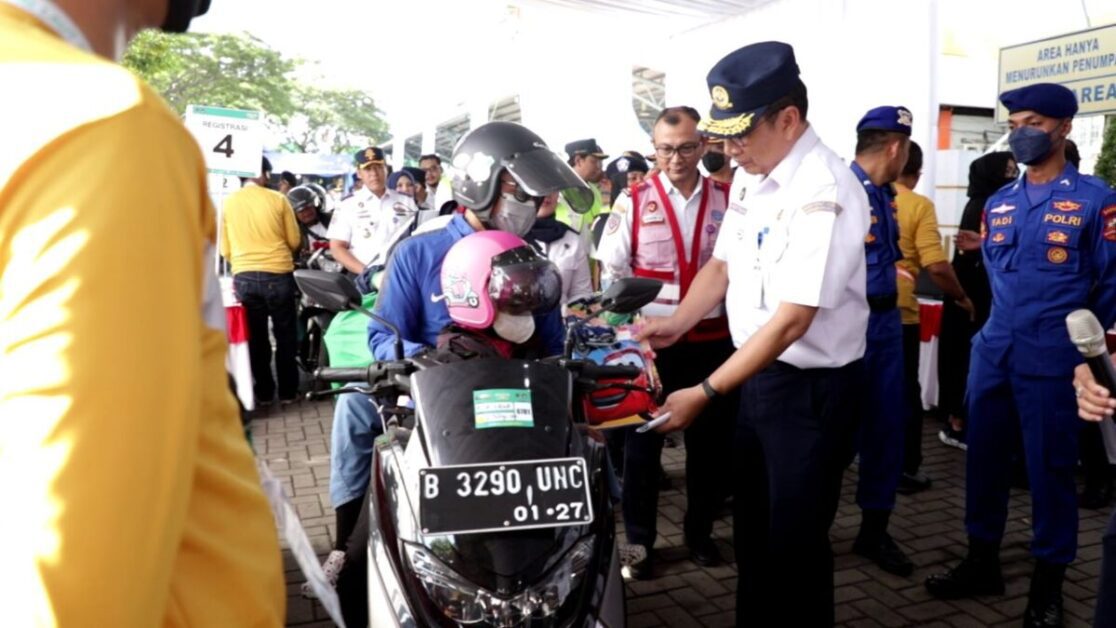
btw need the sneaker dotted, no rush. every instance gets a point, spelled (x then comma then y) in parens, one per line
(953, 438)
(332, 568)
(636, 561)
(911, 483)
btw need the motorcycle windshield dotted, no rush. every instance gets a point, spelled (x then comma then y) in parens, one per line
(490, 410)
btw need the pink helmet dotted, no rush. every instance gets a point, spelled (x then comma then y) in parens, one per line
(495, 271)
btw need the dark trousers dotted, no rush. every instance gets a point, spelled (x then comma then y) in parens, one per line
(1106, 591)
(1094, 456)
(270, 296)
(884, 424)
(795, 435)
(1001, 405)
(708, 448)
(912, 449)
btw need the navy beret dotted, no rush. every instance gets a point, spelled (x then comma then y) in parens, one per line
(1048, 99)
(585, 147)
(886, 118)
(744, 83)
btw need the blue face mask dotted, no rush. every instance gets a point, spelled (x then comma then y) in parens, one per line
(1030, 145)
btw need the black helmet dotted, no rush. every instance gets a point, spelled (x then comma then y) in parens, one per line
(496, 146)
(180, 12)
(303, 196)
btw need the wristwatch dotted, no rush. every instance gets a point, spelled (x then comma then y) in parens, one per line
(709, 390)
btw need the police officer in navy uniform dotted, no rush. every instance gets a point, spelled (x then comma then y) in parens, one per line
(882, 143)
(1049, 244)
(789, 264)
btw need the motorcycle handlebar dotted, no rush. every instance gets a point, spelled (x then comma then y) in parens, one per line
(341, 375)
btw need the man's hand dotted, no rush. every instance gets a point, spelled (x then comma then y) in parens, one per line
(967, 241)
(1094, 402)
(659, 331)
(683, 405)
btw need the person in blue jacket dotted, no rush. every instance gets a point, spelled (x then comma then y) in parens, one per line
(1049, 244)
(882, 143)
(501, 172)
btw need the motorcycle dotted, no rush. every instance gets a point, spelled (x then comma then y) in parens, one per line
(315, 318)
(489, 503)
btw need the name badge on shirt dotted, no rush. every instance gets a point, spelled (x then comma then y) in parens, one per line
(651, 219)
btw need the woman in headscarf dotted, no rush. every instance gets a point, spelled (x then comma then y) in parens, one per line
(986, 175)
(402, 182)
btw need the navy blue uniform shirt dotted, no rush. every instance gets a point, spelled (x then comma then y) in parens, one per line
(1045, 260)
(881, 246)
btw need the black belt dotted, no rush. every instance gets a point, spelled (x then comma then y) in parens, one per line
(883, 303)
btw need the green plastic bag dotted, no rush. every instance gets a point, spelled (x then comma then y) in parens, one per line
(347, 337)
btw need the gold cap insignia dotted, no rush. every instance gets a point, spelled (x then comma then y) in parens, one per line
(720, 97)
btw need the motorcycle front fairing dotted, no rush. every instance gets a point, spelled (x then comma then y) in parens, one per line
(446, 433)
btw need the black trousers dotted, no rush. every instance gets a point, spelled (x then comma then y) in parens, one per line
(795, 435)
(1106, 590)
(271, 296)
(912, 443)
(708, 448)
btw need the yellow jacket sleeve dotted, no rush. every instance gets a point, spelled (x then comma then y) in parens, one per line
(138, 502)
(290, 224)
(928, 240)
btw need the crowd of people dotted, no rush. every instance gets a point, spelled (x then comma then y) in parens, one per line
(786, 332)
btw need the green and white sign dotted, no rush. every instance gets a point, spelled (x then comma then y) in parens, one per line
(231, 139)
(502, 407)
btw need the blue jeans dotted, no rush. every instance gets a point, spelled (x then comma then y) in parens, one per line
(274, 296)
(356, 424)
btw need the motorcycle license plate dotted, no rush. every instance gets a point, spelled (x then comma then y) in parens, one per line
(496, 497)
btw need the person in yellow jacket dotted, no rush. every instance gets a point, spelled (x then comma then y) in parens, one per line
(586, 158)
(259, 237)
(131, 496)
(920, 242)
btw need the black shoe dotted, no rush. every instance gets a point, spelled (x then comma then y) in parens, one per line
(1044, 601)
(1096, 496)
(911, 483)
(883, 551)
(704, 552)
(971, 577)
(638, 561)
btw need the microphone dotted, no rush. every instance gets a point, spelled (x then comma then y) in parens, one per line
(1087, 334)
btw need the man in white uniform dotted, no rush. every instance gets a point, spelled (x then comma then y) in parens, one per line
(365, 222)
(789, 264)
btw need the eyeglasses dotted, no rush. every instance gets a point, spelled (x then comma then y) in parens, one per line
(685, 151)
(519, 193)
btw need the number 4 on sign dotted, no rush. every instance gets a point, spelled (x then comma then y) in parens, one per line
(225, 146)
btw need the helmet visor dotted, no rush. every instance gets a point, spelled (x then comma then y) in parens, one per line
(540, 172)
(522, 281)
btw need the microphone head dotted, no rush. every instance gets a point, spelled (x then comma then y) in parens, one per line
(1086, 333)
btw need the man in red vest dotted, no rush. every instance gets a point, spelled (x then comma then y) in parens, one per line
(665, 229)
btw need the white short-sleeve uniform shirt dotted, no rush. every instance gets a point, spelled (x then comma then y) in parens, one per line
(367, 222)
(797, 236)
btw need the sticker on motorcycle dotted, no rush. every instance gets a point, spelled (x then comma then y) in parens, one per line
(502, 407)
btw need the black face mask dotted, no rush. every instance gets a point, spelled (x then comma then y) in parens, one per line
(713, 162)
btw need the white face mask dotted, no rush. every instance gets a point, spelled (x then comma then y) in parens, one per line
(517, 328)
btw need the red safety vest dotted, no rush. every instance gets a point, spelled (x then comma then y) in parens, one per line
(658, 251)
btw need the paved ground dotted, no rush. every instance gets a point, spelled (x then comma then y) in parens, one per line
(929, 525)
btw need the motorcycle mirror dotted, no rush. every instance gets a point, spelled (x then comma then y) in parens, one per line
(629, 294)
(333, 291)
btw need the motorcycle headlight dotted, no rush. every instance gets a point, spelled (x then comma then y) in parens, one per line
(467, 603)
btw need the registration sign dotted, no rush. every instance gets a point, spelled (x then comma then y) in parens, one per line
(503, 496)
(230, 139)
